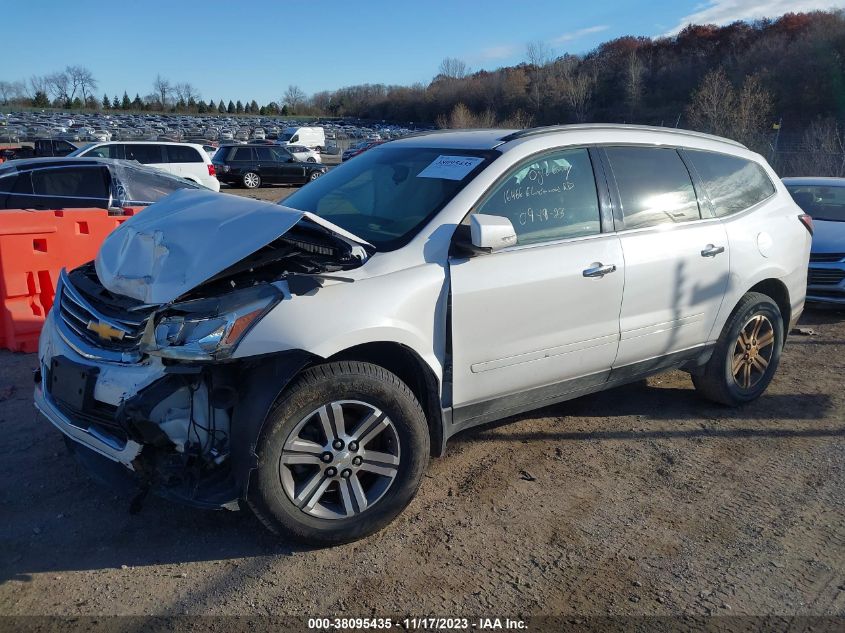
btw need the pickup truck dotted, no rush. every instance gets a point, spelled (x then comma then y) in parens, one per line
(41, 148)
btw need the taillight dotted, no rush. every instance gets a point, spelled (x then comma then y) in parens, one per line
(211, 170)
(807, 221)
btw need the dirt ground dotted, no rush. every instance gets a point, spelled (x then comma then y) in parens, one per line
(644, 500)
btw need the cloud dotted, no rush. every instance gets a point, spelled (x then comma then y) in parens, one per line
(498, 52)
(726, 11)
(574, 35)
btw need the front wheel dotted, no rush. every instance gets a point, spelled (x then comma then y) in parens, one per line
(341, 455)
(747, 353)
(314, 175)
(251, 180)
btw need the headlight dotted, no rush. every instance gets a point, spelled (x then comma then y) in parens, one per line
(209, 329)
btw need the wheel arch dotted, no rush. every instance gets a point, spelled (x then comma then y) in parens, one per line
(411, 369)
(779, 293)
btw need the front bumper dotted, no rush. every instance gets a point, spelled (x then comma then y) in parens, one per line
(826, 283)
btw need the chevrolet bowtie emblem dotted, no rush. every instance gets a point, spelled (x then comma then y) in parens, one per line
(106, 331)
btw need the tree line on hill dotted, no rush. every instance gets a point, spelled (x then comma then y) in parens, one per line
(742, 80)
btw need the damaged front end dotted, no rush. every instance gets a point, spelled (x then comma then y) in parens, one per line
(136, 356)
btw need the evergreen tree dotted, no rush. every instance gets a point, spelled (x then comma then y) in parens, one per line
(76, 104)
(201, 107)
(125, 103)
(115, 103)
(253, 107)
(239, 107)
(137, 104)
(40, 100)
(106, 102)
(231, 108)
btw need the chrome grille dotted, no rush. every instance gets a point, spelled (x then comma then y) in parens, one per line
(77, 313)
(825, 277)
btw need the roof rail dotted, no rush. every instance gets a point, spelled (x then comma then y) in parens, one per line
(536, 131)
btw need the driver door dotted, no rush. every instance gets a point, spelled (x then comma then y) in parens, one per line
(537, 320)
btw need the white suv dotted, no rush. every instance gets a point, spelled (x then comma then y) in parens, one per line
(187, 160)
(309, 358)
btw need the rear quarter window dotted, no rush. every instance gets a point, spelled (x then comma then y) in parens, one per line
(182, 154)
(243, 153)
(733, 184)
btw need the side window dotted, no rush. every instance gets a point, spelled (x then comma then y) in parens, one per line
(265, 153)
(280, 154)
(549, 198)
(182, 154)
(654, 186)
(72, 182)
(144, 154)
(243, 153)
(732, 184)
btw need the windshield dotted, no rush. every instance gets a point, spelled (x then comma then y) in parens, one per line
(81, 150)
(822, 202)
(387, 194)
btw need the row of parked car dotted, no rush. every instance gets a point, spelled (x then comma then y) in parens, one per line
(21, 127)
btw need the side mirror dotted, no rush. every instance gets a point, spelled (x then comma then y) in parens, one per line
(491, 233)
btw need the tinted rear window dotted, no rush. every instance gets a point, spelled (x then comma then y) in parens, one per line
(654, 186)
(823, 202)
(144, 154)
(732, 184)
(182, 154)
(243, 153)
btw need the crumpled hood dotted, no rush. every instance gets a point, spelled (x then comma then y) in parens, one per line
(178, 243)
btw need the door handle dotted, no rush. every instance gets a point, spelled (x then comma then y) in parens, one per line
(711, 251)
(597, 269)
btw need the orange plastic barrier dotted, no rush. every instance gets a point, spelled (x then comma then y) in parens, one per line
(34, 247)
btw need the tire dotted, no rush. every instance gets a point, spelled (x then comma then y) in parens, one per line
(311, 159)
(314, 175)
(721, 381)
(251, 180)
(297, 431)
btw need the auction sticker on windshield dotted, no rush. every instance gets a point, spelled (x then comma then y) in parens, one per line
(450, 167)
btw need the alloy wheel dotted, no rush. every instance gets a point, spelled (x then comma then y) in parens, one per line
(251, 180)
(753, 351)
(340, 459)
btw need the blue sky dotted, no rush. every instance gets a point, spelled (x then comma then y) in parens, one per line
(255, 49)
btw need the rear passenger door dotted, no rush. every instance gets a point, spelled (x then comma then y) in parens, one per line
(186, 162)
(271, 170)
(676, 256)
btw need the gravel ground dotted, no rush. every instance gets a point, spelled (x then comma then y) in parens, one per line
(644, 500)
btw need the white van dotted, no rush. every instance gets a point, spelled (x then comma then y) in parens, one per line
(311, 137)
(187, 160)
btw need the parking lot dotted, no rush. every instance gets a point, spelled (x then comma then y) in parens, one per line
(643, 500)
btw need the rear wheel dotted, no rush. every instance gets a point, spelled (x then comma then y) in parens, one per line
(311, 159)
(314, 175)
(341, 455)
(251, 180)
(747, 353)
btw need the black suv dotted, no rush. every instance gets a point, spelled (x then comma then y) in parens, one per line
(253, 165)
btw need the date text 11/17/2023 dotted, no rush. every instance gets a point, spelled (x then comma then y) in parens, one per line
(418, 623)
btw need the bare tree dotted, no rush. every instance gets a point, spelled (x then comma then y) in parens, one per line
(81, 79)
(462, 118)
(453, 68)
(186, 91)
(539, 55)
(58, 85)
(37, 83)
(5, 92)
(294, 97)
(635, 71)
(575, 83)
(713, 104)
(719, 109)
(162, 88)
(823, 151)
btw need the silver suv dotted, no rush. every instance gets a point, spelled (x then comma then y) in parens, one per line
(307, 359)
